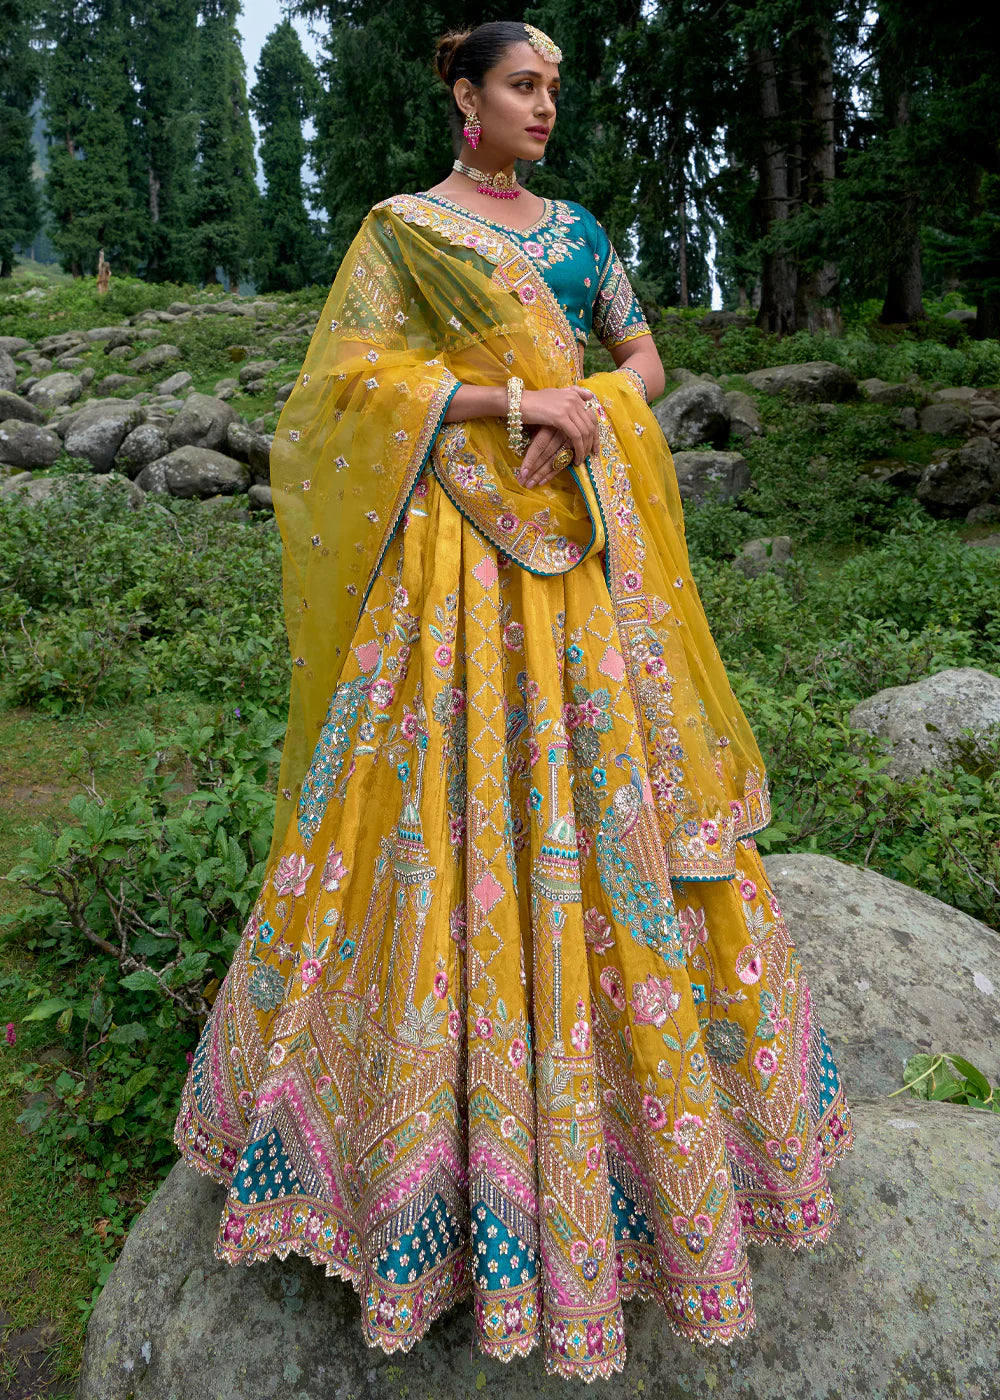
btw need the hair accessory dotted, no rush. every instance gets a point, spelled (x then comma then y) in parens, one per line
(500, 185)
(516, 436)
(472, 130)
(543, 45)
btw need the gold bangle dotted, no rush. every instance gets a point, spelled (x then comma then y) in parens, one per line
(516, 436)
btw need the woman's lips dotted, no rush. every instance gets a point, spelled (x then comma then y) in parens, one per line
(541, 132)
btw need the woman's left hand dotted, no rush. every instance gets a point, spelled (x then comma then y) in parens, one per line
(537, 465)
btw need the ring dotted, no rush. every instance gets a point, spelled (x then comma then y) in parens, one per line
(562, 458)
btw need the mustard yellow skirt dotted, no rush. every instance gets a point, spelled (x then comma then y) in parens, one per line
(474, 1041)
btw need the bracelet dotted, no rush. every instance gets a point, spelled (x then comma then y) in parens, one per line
(635, 379)
(516, 435)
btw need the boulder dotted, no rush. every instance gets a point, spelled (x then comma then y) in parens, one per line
(256, 369)
(14, 344)
(96, 431)
(744, 419)
(153, 478)
(703, 476)
(61, 342)
(959, 480)
(42, 488)
(55, 389)
(121, 338)
(880, 391)
(815, 381)
(14, 406)
(104, 333)
(945, 419)
(198, 471)
(770, 553)
(8, 372)
(960, 393)
(112, 384)
(724, 320)
(255, 448)
(26, 445)
(154, 357)
(921, 723)
(260, 496)
(962, 314)
(144, 444)
(202, 422)
(696, 412)
(894, 1305)
(894, 972)
(175, 383)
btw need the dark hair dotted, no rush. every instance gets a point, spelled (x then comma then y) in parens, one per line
(471, 53)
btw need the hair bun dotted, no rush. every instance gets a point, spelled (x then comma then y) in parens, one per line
(447, 48)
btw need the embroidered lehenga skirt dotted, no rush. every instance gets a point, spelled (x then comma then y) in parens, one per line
(475, 1042)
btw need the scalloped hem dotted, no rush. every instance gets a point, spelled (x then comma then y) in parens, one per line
(461, 1288)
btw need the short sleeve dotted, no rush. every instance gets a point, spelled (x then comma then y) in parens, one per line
(617, 314)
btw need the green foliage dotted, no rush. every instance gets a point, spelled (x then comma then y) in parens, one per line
(949, 1078)
(99, 604)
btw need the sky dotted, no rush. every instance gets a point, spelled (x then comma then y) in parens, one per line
(259, 17)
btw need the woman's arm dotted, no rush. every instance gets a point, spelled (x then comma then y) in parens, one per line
(642, 355)
(477, 401)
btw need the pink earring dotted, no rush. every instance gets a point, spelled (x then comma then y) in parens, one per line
(472, 130)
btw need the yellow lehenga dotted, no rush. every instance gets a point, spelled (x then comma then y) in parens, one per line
(516, 1013)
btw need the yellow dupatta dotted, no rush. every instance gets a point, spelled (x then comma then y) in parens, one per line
(427, 299)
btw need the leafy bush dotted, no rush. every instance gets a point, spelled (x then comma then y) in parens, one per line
(948, 1078)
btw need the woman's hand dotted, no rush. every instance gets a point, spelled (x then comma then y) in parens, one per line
(565, 411)
(538, 464)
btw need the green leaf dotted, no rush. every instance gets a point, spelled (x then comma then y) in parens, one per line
(129, 1034)
(52, 1006)
(142, 980)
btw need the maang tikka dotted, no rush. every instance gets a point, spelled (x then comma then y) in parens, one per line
(472, 130)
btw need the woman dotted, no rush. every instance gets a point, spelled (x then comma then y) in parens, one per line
(516, 1013)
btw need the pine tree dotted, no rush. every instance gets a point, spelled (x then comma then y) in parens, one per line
(20, 78)
(223, 215)
(88, 109)
(285, 94)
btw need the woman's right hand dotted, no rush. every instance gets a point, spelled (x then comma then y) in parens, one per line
(565, 410)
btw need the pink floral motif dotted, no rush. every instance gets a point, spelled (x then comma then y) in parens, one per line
(748, 889)
(527, 294)
(291, 875)
(703, 1223)
(333, 871)
(584, 841)
(389, 1149)
(653, 1111)
(593, 1158)
(597, 931)
(381, 694)
(484, 1027)
(656, 666)
(517, 1052)
(749, 969)
(456, 830)
(442, 655)
(441, 985)
(765, 1060)
(578, 1251)
(571, 716)
(311, 971)
(686, 1126)
(580, 1036)
(632, 580)
(534, 752)
(654, 1000)
(533, 249)
(507, 523)
(611, 985)
(454, 1024)
(457, 700)
(508, 1126)
(513, 636)
(409, 726)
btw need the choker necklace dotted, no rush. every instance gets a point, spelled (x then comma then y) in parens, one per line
(501, 186)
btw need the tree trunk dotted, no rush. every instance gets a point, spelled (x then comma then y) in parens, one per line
(818, 283)
(6, 267)
(905, 281)
(987, 325)
(777, 298)
(682, 257)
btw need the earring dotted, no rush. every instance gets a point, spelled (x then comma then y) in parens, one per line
(472, 130)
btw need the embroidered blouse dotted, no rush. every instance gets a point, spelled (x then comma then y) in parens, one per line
(580, 265)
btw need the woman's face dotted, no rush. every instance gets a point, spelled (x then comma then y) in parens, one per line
(516, 107)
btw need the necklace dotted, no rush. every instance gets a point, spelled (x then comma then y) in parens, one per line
(501, 186)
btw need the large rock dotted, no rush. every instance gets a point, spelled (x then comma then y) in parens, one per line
(696, 412)
(14, 406)
(14, 344)
(202, 422)
(961, 479)
(198, 471)
(154, 357)
(254, 448)
(896, 1305)
(256, 369)
(97, 431)
(26, 445)
(703, 476)
(768, 554)
(744, 418)
(893, 971)
(8, 372)
(42, 488)
(55, 389)
(945, 419)
(112, 384)
(921, 722)
(880, 391)
(816, 381)
(143, 445)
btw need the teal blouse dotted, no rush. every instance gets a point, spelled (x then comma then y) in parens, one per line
(580, 265)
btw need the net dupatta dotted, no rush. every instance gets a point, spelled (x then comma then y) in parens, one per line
(425, 300)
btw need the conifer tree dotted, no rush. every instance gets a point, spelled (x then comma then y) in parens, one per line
(286, 92)
(20, 76)
(222, 218)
